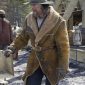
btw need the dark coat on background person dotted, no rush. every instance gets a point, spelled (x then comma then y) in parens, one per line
(52, 38)
(5, 33)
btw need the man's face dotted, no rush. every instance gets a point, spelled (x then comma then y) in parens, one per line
(37, 9)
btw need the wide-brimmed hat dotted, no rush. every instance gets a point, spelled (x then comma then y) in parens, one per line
(2, 12)
(40, 2)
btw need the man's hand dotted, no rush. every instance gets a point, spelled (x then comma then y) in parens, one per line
(7, 52)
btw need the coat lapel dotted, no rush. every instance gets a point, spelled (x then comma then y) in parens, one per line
(31, 22)
(48, 24)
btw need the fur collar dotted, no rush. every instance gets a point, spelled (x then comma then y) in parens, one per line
(48, 24)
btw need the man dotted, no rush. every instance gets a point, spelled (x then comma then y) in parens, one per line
(50, 45)
(5, 31)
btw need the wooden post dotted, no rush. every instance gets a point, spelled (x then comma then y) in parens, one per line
(83, 19)
(82, 2)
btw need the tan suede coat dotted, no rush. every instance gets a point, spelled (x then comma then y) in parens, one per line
(54, 62)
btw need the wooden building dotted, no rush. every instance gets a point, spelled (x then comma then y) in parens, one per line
(74, 13)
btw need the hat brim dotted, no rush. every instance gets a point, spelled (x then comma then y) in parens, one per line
(47, 2)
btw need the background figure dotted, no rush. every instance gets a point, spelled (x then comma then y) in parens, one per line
(5, 31)
(16, 30)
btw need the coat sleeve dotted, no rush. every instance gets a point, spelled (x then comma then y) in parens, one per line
(62, 44)
(21, 39)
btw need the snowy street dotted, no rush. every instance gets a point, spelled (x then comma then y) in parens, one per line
(76, 76)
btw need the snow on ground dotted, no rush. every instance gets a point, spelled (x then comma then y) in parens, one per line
(76, 76)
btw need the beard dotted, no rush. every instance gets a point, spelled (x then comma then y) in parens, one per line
(35, 14)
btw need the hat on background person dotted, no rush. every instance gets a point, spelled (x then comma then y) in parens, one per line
(2, 12)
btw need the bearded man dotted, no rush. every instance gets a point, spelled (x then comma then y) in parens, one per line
(47, 31)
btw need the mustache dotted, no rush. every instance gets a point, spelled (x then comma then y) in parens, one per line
(35, 13)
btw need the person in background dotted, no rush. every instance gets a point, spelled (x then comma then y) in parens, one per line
(16, 30)
(15, 55)
(5, 31)
(47, 31)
